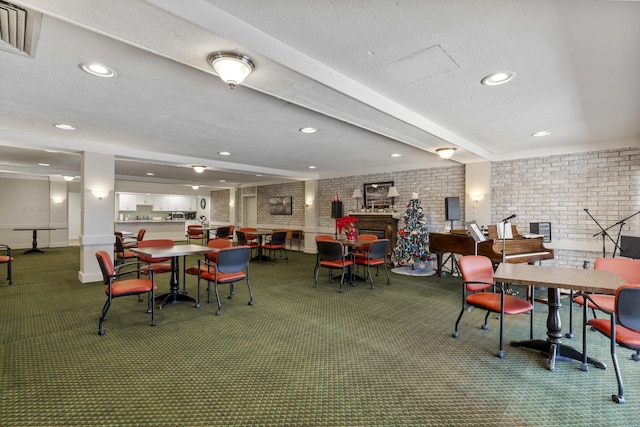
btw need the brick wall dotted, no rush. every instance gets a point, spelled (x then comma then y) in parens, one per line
(220, 211)
(553, 189)
(432, 186)
(292, 189)
(557, 189)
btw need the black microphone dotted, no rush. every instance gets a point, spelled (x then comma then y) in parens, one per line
(508, 218)
(586, 210)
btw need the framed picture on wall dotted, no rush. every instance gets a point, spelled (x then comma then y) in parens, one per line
(376, 193)
(280, 206)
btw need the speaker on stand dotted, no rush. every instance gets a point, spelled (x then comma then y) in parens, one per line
(336, 212)
(452, 209)
(452, 213)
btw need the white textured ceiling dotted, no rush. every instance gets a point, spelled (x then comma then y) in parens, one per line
(376, 77)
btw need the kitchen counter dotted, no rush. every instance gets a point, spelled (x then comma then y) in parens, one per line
(155, 228)
(154, 221)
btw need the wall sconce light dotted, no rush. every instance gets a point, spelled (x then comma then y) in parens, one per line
(231, 67)
(199, 169)
(308, 203)
(476, 196)
(58, 200)
(446, 153)
(100, 193)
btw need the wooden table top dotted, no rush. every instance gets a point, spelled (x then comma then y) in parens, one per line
(578, 279)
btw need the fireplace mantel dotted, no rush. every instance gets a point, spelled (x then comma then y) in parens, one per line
(379, 223)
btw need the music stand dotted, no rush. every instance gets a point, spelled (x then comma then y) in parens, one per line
(476, 233)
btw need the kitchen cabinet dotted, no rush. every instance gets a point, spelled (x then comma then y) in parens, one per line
(127, 202)
(171, 203)
(145, 199)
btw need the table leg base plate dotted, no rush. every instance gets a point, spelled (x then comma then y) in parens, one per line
(559, 351)
(173, 298)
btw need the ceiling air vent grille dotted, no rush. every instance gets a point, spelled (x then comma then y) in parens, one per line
(17, 27)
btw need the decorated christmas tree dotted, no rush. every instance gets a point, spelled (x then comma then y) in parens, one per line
(413, 240)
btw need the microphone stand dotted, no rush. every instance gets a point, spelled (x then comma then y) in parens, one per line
(621, 223)
(604, 233)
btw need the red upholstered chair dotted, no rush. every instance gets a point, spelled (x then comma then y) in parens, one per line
(241, 239)
(478, 290)
(222, 232)
(195, 232)
(119, 288)
(331, 255)
(133, 242)
(158, 265)
(232, 266)
(362, 249)
(121, 255)
(7, 259)
(622, 328)
(277, 243)
(625, 268)
(247, 233)
(209, 256)
(375, 257)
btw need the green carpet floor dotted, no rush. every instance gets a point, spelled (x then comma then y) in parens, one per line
(298, 357)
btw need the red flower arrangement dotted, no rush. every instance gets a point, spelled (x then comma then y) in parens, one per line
(346, 223)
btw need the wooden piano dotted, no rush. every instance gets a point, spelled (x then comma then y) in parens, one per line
(518, 250)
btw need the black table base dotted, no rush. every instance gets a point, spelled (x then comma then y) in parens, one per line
(174, 298)
(553, 346)
(559, 351)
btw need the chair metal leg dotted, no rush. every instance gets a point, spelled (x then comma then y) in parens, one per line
(618, 398)
(217, 298)
(198, 296)
(152, 300)
(103, 317)
(485, 326)
(250, 293)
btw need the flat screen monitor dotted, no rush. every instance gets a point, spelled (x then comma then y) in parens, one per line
(630, 247)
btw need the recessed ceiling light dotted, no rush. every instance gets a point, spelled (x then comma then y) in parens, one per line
(500, 78)
(308, 130)
(224, 153)
(312, 167)
(195, 187)
(44, 164)
(64, 126)
(258, 174)
(198, 169)
(541, 133)
(150, 174)
(395, 155)
(222, 180)
(96, 69)
(67, 178)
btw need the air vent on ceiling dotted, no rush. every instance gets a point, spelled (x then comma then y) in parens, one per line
(19, 29)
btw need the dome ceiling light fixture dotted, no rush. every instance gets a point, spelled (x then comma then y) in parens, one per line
(231, 67)
(446, 153)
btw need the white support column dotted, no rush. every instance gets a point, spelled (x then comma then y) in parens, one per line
(98, 213)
